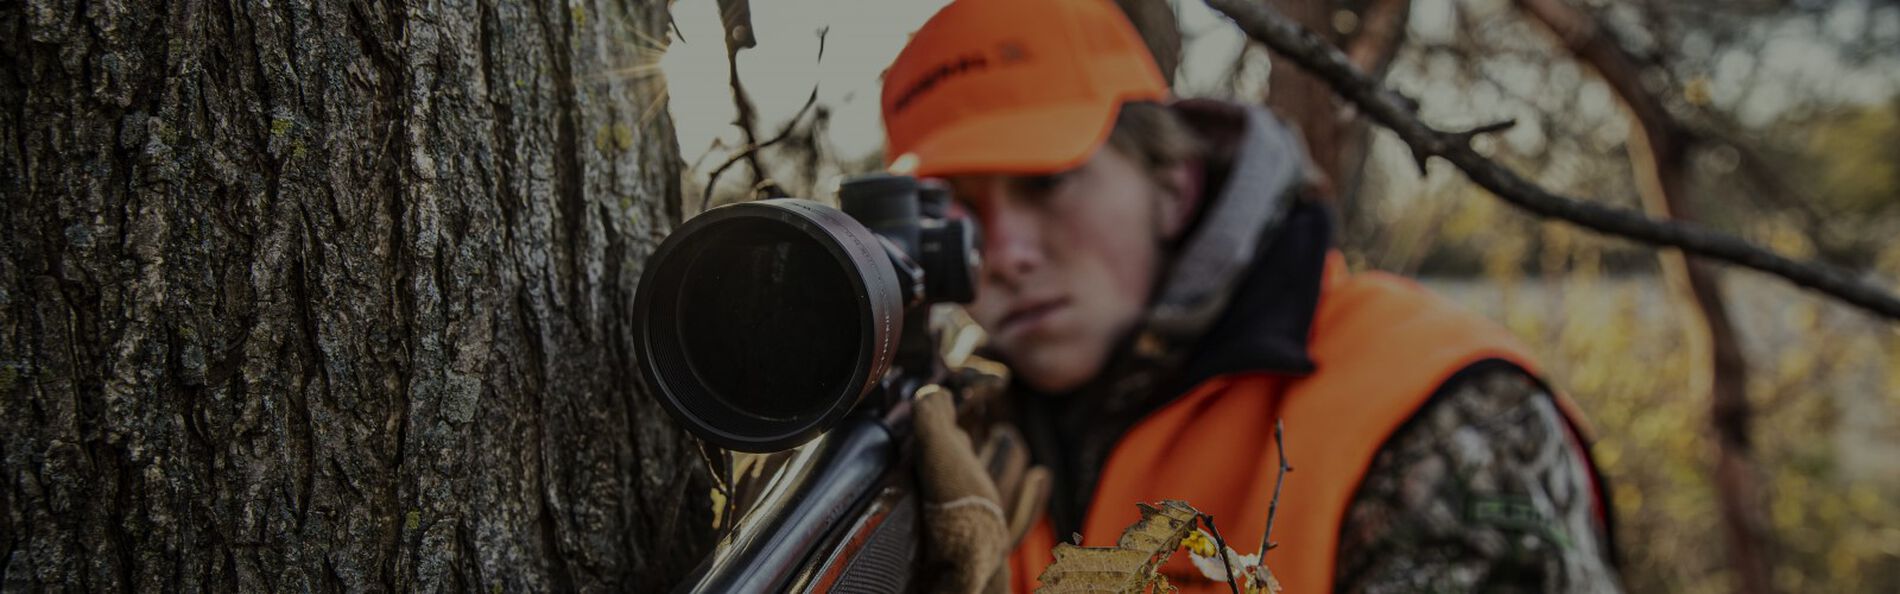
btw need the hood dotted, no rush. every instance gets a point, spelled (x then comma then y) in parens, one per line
(1264, 167)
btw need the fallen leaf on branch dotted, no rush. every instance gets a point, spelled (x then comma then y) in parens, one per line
(1132, 564)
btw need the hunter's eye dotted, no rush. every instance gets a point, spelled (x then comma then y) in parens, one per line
(1041, 185)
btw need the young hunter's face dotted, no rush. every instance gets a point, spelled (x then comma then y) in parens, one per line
(1069, 261)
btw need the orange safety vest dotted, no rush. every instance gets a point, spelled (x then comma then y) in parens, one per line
(1381, 346)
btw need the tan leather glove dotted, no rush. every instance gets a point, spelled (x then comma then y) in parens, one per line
(977, 505)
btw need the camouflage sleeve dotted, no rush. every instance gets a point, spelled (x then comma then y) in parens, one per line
(1485, 490)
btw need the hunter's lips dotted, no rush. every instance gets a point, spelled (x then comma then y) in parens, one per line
(1028, 315)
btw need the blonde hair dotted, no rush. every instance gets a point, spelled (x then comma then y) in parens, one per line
(1155, 137)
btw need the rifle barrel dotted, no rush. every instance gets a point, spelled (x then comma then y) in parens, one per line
(821, 490)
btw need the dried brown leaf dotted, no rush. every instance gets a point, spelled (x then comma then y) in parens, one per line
(1133, 564)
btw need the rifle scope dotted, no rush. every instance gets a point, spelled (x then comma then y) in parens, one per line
(761, 324)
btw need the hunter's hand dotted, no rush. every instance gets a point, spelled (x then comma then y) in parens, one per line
(976, 506)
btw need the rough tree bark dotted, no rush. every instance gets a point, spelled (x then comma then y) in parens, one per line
(1659, 153)
(334, 296)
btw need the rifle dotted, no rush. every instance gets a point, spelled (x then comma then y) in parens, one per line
(769, 325)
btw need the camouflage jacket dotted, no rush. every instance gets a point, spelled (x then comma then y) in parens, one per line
(1484, 490)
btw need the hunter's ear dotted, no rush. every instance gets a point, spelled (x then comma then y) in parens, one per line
(1180, 190)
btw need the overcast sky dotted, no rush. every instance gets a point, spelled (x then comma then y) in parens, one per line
(864, 37)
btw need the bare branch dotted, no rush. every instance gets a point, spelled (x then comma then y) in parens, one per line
(1220, 545)
(751, 152)
(736, 15)
(747, 125)
(1328, 63)
(747, 120)
(1273, 507)
(1461, 138)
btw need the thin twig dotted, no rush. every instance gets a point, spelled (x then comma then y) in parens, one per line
(747, 120)
(736, 16)
(712, 179)
(1463, 138)
(750, 153)
(1273, 507)
(1262, 23)
(1221, 551)
(722, 481)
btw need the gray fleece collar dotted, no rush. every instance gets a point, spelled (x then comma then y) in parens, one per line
(1268, 164)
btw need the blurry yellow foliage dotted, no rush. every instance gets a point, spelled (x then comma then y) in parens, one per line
(1858, 154)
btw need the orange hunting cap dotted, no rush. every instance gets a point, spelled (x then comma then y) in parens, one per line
(1013, 86)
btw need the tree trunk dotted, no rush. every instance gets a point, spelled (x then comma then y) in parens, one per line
(1659, 153)
(1302, 98)
(1336, 137)
(1160, 31)
(334, 296)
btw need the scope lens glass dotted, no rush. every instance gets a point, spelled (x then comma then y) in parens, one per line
(769, 321)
